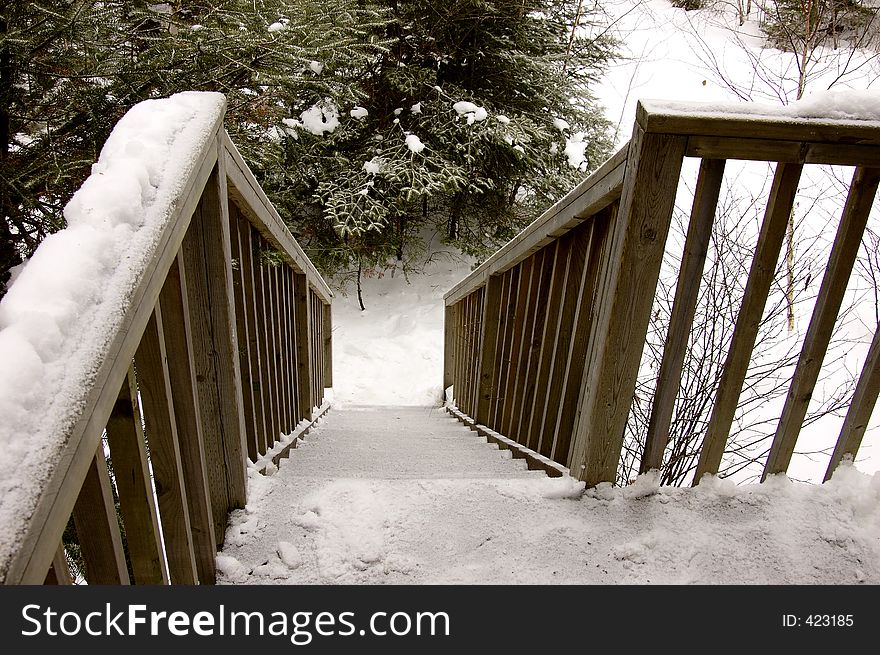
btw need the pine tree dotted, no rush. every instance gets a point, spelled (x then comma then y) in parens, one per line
(472, 118)
(361, 120)
(70, 70)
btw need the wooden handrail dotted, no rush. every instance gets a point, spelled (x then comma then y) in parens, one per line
(543, 340)
(179, 354)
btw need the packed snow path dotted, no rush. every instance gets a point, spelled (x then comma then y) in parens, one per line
(408, 495)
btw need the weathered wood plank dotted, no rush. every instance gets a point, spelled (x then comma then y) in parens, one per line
(263, 300)
(539, 312)
(504, 356)
(551, 345)
(684, 308)
(97, 529)
(526, 345)
(638, 243)
(792, 152)
(595, 243)
(195, 257)
(462, 377)
(476, 303)
(837, 273)
(278, 306)
(740, 120)
(860, 409)
(518, 338)
(133, 484)
(328, 345)
(290, 343)
(177, 334)
(448, 347)
(745, 331)
(255, 336)
(244, 355)
(488, 339)
(303, 355)
(151, 362)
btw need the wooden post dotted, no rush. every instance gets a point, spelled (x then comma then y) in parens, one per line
(503, 356)
(263, 304)
(448, 347)
(241, 326)
(97, 529)
(255, 335)
(287, 414)
(207, 260)
(154, 383)
(745, 331)
(840, 264)
(177, 334)
(136, 502)
(683, 310)
(491, 321)
(860, 409)
(628, 286)
(328, 346)
(516, 346)
(303, 351)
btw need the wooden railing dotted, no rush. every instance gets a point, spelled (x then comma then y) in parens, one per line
(543, 341)
(224, 347)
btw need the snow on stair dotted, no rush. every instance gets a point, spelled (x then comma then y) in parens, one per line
(385, 495)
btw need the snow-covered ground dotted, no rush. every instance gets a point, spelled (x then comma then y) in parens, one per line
(392, 352)
(407, 495)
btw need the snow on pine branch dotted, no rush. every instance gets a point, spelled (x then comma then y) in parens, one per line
(68, 300)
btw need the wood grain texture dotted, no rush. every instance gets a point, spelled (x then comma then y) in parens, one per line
(550, 345)
(241, 326)
(328, 345)
(684, 308)
(518, 336)
(745, 331)
(627, 294)
(131, 470)
(793, 152)
(504, 356)
(708, 119)
(97, 530)
(837, 273)
(594, 242)
(488, 348)
(303, 354)
(539, 312)
(154, 384)
(177, 333)
(255, 336)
